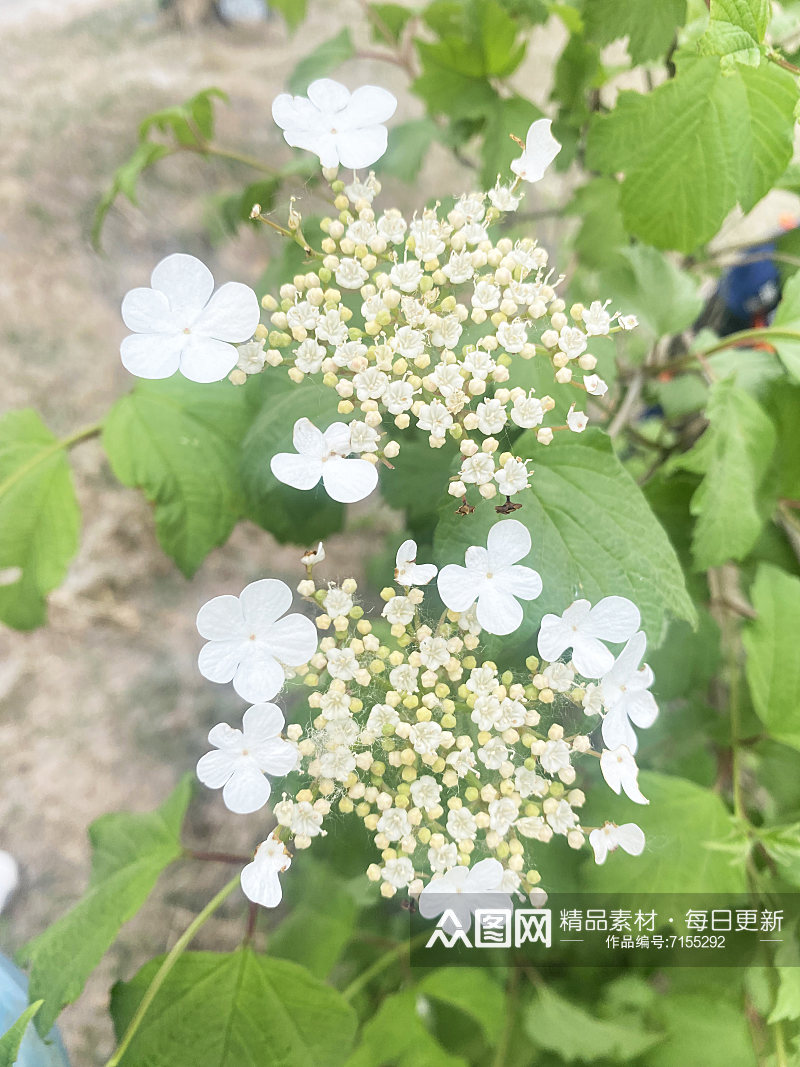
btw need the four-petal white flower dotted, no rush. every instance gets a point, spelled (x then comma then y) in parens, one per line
(625, 692)
(462, 890)
(609, 837)
(494, 578)
(325, 455)
(338, 126)
(621, 772)
(260, 879)
(541, 148)
(583, 628)
(248, 641)
(407, 571)
(178, 325)
(243, 757)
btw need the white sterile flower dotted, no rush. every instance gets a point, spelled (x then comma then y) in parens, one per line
(407, 571)
(425, 737)
(406, 276)
(502, 813)
(399, 611)
(512, 336)
(260, 881)
(541, 148)
(562, 818)
(461, 825)
(433, 652)
(486, 295)
(248, 641)
(363, 437)
(426, 792)
(398, 397)
(493, 577)
(512, 477)
(382, 715)
(493, 754)
(324, 455)
(583, 628)
(435, 418)
(529, 783)
(337, 602)
(577, 420)
(626, 695)
(620, 771)
(252, 357)
(398, 872)
(178, 325)
(596, 320)
(442, 858)
(244, 756)
(559, 677)
(502, 198)
(350, 274)
(392, 226)
(339, 127)
(572, 341)
(305, 820)
(609, 837)
(459, 268)
(594, 385)
(555, 757)
(462, 890)
(342, 663)
(527, 412)
(308, 356)
(394, 823)
(492, 416)
(9, 877)
(404, 679)
(477, 469)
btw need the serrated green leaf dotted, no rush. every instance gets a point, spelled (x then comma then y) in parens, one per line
(734, 456)
(12, 1039)
(129, 852)
(683, 824)
(322, 61)
(451, 82)
(735, 125)
(39, 517)
(787, 317)
(235, 1009)
(736, 30)
(649, 25)
(593, 534)
(179, 442)
(473, 991)
(561, 1026)
(396, 1034)
(773, 666)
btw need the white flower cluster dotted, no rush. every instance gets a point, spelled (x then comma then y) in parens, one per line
(414, 323)
(455, 766)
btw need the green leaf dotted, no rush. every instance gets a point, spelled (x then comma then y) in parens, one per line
(396, 1034)
(699, 1020)
(513, 114)
(322, 61)
(736, 125)
(472, 991)
(773, 666)
(736, 30)
(179, 441)
(649, 25)
(291, 515)
(639, 272)
(129, 852)
(593, 533)
(294, 11)
(235, 1009)
(601, 229)
(450, 82)
(387, 21)
(190, 123)
(124, 182)
(733, 455)
(408, 146)
(558, 1025)
(787, 316)
(684, 824)
(39, 517)
(787, 1002)
(12, 1038)
(783, 845)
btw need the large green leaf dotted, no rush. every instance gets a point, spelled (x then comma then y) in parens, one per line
(734, 456)
(39, 517)
(12, 1039)
(235, 1009)
(179, 441)
(291, 515)
(639, 272)
(397, 1035)
(695, 146)
(473, 991)
(684, 825)
(129, 852)
(773, 665)
(649, 25)
(593, 533)
(787, 317)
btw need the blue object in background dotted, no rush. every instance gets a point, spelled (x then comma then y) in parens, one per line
(752, 289)
(33, 1052)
